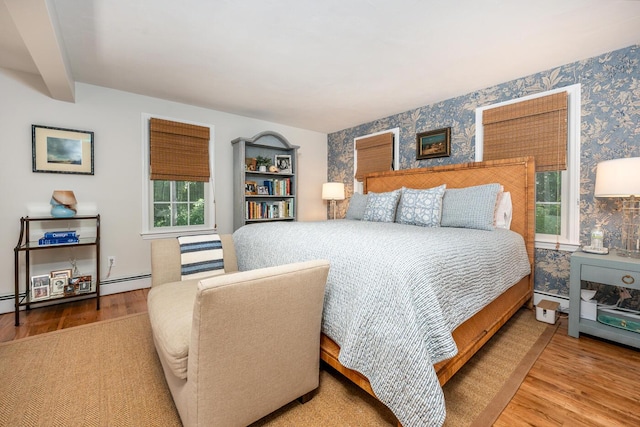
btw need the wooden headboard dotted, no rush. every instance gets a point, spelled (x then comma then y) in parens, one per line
(516, 175)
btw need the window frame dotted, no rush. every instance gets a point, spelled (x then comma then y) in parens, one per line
(569, 239)
(148, 230)
(358, 187)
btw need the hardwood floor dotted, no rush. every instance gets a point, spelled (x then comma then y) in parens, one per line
(46, 319)
(578, 382)
(575, 382)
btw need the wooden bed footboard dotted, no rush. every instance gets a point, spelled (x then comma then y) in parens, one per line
(518, 177)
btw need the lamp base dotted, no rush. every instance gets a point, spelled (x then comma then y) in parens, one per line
(61, 211)
(630, 228)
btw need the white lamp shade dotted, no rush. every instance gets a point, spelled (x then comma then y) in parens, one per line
(618, 178)
(333, 191)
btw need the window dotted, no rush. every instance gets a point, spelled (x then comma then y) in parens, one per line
(367, 148)
(178, 203)
(557, 191)
(177, 180)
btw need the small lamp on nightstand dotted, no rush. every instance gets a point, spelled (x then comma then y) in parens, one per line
(621, 178)
(333, 191)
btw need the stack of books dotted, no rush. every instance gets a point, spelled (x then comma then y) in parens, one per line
(58, 238)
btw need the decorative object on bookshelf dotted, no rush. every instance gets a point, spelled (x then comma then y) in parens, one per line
(58, 150)
(69, 288)
(283, 162)
(333, 191)
(58, 284)
(263, 190)
(273, 169)
(63, 204)
(250, 163)
(250, 188)
(58, 238)
(59, 279)
(82, 284)
(263, 163)
(39, 287)
(621, 178)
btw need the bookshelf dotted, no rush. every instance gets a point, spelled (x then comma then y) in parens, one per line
(54, 288)
(269, 194)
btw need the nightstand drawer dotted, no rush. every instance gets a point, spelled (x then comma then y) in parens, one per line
(610, 276)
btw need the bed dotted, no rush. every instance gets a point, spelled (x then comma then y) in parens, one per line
(421, 317)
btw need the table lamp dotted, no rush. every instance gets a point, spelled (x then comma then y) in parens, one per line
(333, 191)
(621, 178)
(63, 204)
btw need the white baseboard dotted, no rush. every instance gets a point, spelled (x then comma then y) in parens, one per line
(107, 287)
(562, 300)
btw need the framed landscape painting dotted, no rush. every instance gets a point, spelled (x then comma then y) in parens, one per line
(58, 150)
(435, 143)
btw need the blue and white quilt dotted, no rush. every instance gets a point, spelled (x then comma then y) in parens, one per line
(394, 294)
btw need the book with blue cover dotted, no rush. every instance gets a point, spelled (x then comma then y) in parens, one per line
(59, 234)
(58, 241)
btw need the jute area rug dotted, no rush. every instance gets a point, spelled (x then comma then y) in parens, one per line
(108, 374)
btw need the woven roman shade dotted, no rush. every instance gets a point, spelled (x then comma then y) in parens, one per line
(178, 151)
(536, 127)
(375, 154)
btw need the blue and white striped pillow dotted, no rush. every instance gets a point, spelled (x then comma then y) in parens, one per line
(201, 256)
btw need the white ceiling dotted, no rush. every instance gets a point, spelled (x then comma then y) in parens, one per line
(323, 65)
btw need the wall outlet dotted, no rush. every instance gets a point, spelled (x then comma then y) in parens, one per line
(111, 260)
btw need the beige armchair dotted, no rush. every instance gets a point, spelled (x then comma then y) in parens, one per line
(236, 347)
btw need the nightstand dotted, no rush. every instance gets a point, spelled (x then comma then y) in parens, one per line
(608, 269)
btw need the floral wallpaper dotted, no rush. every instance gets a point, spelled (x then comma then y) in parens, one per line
(610, 126)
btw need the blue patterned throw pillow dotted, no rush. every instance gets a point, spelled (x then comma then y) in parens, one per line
(470, 207)
(381, 207)
(421, 207)
(357, 205)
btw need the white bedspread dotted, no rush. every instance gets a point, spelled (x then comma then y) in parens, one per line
(394, 294)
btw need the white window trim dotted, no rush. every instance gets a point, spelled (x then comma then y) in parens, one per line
(358, 186)
(570, 240)
(147, 204)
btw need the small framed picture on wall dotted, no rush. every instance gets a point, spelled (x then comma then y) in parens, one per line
(432, 144)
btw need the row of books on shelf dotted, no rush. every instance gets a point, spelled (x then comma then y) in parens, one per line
(58, 238)
(269, 210)
(269, 187)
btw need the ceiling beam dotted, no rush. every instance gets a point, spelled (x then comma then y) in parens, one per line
(37, 23)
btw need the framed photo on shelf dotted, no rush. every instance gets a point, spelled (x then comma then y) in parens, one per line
(432, 144)
(40, 287)
(82, 284)
(283, 163)
(84, 287)
(263, 190)
(69, 288)
(250, 163)
(58, 284)
(250, 188)
(58, 150)
(61, 273)
(59, 279)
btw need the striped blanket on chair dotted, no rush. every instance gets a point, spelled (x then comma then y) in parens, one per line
(201, 256)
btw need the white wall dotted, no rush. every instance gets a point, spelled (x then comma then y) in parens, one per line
(116, 187)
